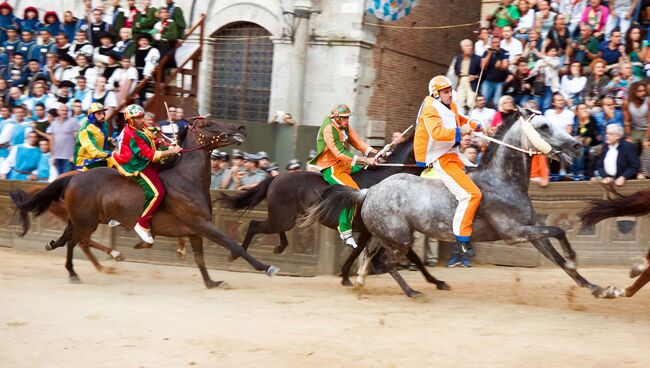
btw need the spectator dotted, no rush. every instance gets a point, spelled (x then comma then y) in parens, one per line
(4, 90)
(471, 153)
(597, 81)
(506, 114)
(620, 84)
(621, 13)
(97, 27)
(145, 19)
(619, 160)
(635, 115)
(116, 16)
(483, 43)
(635, 50)
(263, 160)
(28, 47)
(62, 135)
(176, 14)
(45, 170)
(180, 117)
(51, 23)
(130, 14)
(526, 21)
(572, 85)
(72, 25)
(61, 45)
(30, 21)
(595, 15)
(505, 15)
(495, 65)
(611, 51)
(467, 69)
(127, 78)
(12, 42)
(125, 47)
(545, 18)
(146, 57)
(559, 114)
(220, 170)
(294, 165)
(236, 162)
(38, 95)
(586, 47)
(7, 125)
(481, 113)
(532, 50)
(77, 112)
(547, 72)
(103, 96)
(45, 44)
(587, 132)
(81, 90)
(81, 46)
(38, 115)
(512, 45)
(66, 70)
(282, 118)
(251, 176)
(165, 34)
(105, 48)
(23, 125)
(609, 115)
(7, 19)
(521, 83)
(86, 71)
(573, 9)
(15, 97)
(111, 66)
(559, 37)
(23, 160)
(16, 74)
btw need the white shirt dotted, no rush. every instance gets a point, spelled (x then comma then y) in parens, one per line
(610, 160)
(480, 47)
(563, 120)
(527, 21)
(122, 76)
(109, 101)
(569, 87)
(514, 48)
(483, 115)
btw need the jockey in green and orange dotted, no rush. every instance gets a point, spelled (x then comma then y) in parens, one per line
(336, 162)
(135, 155)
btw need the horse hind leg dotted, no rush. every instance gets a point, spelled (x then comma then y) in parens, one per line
(413, 257)
(260, 227)
(114, 253)
(180, 252)
(91, 257)
(284, 242)
(403, 284)
(345, 269)
(197, 248)
(62, 240)
(74, 278)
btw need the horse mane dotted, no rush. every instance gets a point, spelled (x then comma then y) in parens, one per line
(175, 159)
(489, 152)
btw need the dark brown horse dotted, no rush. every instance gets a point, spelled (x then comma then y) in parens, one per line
(289, 195)
(637, 204)
(99, 195)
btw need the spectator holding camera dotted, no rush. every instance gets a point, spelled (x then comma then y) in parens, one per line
(495, 64)
(505, 15)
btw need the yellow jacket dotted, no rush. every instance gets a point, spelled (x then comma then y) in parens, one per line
(91, 146)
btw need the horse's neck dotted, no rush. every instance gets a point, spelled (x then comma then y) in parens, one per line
(368, 178)
(194, 166)
(508, 164)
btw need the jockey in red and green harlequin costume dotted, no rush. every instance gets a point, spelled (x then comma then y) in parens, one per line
(135, 152)
(336, 162)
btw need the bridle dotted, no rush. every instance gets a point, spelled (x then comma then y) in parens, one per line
(204, 141)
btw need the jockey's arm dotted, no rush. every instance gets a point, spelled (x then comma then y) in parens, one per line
(335, 145)
(475, 124)
(88, 142)
(140, 148)
(433, 124)
(359, 144)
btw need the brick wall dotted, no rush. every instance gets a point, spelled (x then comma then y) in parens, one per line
(406, 59)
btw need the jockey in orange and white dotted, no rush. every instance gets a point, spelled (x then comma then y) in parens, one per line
(437, 137)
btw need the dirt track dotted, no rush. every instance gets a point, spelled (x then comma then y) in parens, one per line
(160, 316)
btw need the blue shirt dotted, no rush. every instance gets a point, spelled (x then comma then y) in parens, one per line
(43, 170)
(27, 160)
(610, 56)
(603, 122)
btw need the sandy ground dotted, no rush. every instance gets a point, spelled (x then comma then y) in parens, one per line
(161, 316)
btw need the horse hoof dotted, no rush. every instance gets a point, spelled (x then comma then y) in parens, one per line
(346, 282)
(277, 250)
(180, 254)
(414, 294)
(218, 285)
(117, 256)
(610, 292)
(48, 245)
(638, 269)
(75, 279)
(272, 271)
(443, 286)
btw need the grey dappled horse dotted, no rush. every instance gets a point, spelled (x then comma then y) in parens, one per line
(401, 204)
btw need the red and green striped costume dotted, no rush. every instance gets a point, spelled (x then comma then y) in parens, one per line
(136, 152)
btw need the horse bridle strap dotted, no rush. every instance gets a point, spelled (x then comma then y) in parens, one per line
(494, 140)
(222, 137)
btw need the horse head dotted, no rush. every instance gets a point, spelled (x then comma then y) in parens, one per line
(549, 138)
(211, 134)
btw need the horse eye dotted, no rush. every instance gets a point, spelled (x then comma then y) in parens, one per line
(544, 127)
(209, 123)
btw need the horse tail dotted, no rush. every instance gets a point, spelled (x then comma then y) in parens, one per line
(637, 204)
(39, 202)
(247, 199)
(333, 200)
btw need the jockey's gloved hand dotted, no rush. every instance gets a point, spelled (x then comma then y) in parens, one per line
(369, 161)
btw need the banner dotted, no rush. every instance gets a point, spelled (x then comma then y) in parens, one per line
(390, 10)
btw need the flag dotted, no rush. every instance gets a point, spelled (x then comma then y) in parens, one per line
(390, 10)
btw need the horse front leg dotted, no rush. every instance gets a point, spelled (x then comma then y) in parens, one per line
(197, 249)
(207, 230)
(115, 254)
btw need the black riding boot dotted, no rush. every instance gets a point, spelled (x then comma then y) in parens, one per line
(466, 248)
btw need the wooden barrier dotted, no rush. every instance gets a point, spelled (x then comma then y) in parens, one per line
(317, 250)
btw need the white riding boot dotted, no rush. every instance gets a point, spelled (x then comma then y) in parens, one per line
(145, 234)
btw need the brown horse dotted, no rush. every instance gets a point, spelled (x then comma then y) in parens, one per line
(637, 204)
(99, 195)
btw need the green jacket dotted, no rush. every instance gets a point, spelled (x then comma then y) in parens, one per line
(144, 22)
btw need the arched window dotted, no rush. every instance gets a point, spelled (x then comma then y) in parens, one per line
(241, 80)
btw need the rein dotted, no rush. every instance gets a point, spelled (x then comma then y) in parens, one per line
(530, 151)
(200, 138)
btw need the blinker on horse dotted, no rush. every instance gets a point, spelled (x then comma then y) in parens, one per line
(101, 194)
(401, 204)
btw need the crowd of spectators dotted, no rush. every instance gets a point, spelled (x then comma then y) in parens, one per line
(52, 67)
(585, 64)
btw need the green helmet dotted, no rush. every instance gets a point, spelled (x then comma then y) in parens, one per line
(340, 110)
(133, 111)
